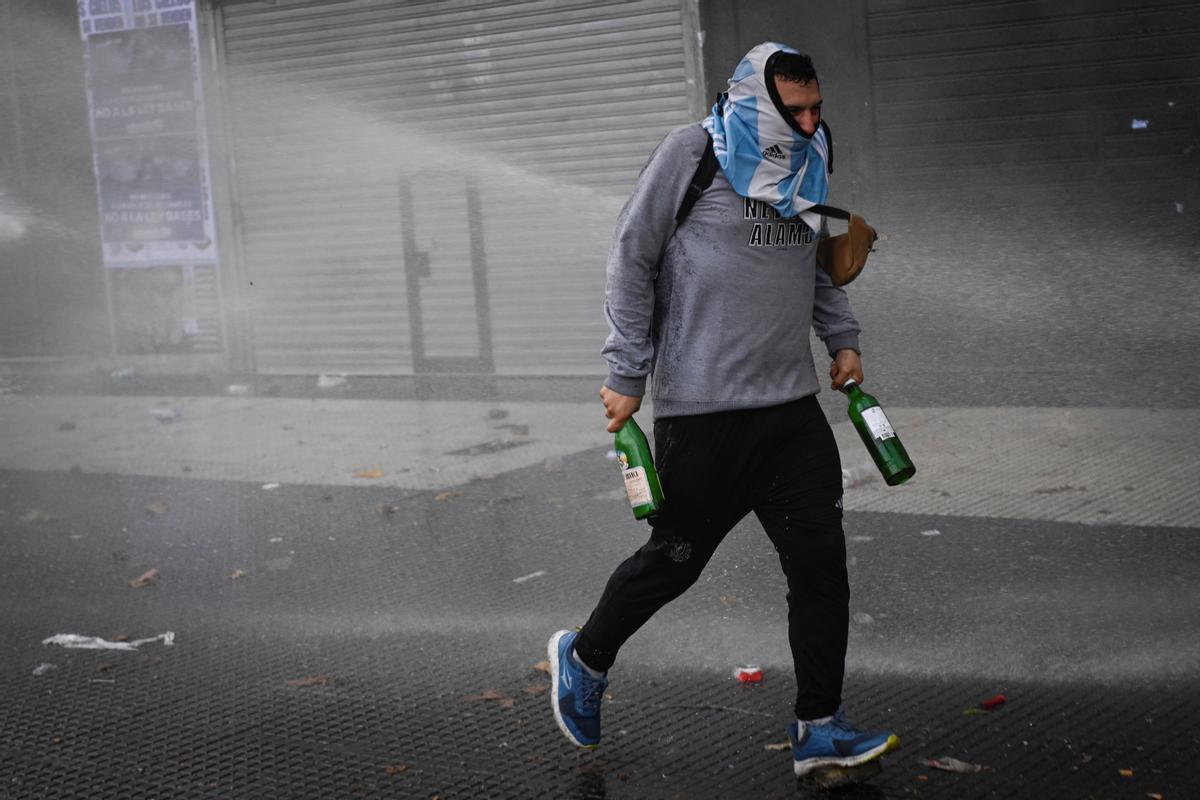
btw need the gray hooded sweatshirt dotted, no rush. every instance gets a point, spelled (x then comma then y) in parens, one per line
(719, 309)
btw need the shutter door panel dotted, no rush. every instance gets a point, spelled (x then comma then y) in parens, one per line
(549, 108)
(1027, 92)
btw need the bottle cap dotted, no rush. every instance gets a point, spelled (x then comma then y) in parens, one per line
(848, 384)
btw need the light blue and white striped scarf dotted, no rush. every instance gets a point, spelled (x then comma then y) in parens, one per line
(745, 126)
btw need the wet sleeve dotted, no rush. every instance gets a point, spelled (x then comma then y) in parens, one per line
(644, 227)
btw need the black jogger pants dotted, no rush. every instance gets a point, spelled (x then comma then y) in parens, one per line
(781, 462)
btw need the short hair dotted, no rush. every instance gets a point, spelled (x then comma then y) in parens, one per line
(793, 67)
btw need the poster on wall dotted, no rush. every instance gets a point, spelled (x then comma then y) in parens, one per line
(148, 132)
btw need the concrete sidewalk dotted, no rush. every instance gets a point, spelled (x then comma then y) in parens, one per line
(1087, 465)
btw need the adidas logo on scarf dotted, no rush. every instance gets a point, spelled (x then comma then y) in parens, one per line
(774, 151)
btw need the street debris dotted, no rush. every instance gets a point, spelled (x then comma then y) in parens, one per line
(166, 415)
(43, 668)
(316, 680)
(237, 575)
(270, 486)
(1125, 773)
(1178, 207)
(1140, 124)
(124, 374)
(932, 532)
(858, 475)
(542, 666)
(444, 496)
(275, 539)
(748, 673)
(147, 578)
(530, 576)
(862, 538)
(396, 769)
(369, 473)
(279, 564)
(539, 688)
(863, 618)
(80, 642)
(67, 426)
(993, 702)
(237, 390)
(729, 601)
(949, 764)
(37, 515)
(388, 509)
(497, 413)
(157, 508)
(503, 700)
(330, 381)
(779, 746)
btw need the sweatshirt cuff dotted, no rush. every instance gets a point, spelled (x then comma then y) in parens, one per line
(623, 384)
(842, 341)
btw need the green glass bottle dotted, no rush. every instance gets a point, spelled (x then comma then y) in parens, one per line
(637, 465)
(878, 435)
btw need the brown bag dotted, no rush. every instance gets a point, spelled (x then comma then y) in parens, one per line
(845, 255)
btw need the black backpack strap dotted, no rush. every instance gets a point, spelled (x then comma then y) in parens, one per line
(701, 180)
(829, 211)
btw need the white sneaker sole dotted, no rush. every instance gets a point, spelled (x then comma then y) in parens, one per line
(810, 764)
(552, 653)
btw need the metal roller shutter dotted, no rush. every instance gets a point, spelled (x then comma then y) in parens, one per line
(1029, 92)
(431, 186)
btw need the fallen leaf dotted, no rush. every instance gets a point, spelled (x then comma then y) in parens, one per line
(157, 508)
(1125, 773)
(395, 770)
(538, 689)
(542, 666)
(237, 573)
(316, 680)
(120, 637)
(779, 746)
(922, 777)
(369, 473)
(444, 496)
(1154, 796)
(147, 578)
(954, 765)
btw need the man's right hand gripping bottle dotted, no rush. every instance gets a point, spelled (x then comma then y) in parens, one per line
(878, 435)
(637, 466)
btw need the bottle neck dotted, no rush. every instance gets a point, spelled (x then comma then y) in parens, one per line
(850, 388)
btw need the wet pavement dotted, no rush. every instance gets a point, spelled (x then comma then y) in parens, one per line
(384, 642)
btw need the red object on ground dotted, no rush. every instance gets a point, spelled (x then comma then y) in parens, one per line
(993, 702)
(749, 674)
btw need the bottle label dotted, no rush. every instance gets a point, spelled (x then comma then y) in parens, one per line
(877, 421)
(637, 486)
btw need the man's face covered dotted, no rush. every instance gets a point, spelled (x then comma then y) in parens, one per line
(800, 101)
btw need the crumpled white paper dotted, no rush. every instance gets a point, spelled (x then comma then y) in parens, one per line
(75, 640)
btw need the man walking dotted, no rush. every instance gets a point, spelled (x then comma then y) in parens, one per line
(718, 308)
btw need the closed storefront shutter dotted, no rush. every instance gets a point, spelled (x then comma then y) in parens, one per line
(431, 186)
(1019, 93)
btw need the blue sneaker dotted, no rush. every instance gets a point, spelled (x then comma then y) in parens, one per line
(837, 743)
(574, 694)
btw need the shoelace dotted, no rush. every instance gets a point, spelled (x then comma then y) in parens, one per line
(591, 691)
(843, 724)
